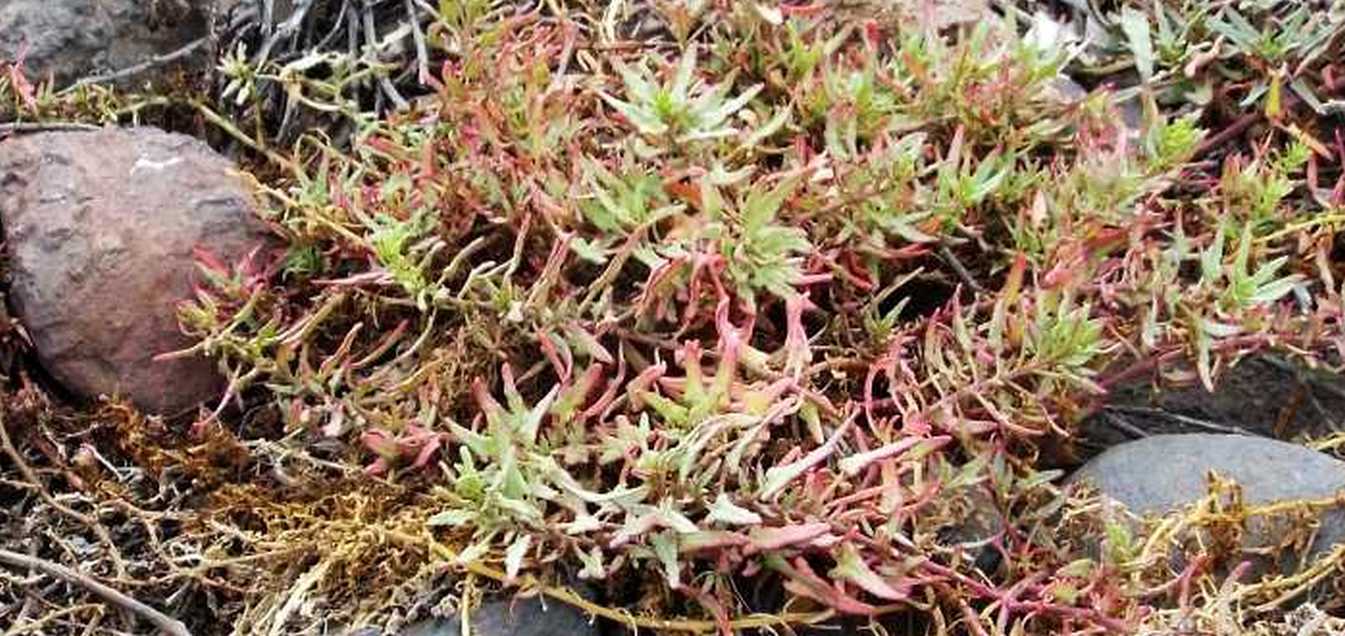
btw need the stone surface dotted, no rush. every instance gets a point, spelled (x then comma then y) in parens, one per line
(525, 617)
(1263, 395)
(100, 229)
(69, 39)
(1164, 472)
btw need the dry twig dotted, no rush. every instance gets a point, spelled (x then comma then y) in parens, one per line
(136, 69)
(88, 521)
(165, 624)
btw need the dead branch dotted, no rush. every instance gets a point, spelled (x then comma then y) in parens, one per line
(136, 69)
(31, 476)
(164, 623)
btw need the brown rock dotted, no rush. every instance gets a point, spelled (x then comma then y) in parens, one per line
(100, 228)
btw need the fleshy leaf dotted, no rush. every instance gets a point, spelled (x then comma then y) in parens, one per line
(723, 510)
(513, 557)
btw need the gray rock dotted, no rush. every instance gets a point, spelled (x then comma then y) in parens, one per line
(1165, 472)
(1263, 395)
(100, 229)
(526, 617)
(69, 39)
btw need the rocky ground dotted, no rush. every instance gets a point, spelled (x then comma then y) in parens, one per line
(235, 397)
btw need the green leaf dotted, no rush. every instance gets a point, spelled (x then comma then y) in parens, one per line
(1304, 91)
(1277, 289)
(712, 201)
(726, 512)
(1065, 593)
(850, 567)
(648, 123)
(451, 518)
(903, 226)
(721, 176)
(1243, 253)
(670, 518)
(1079, 568)
(637, 84)
(474, 552)
(686, 69)
(665, 548)
(593, 567)
(706, 135)
(1204, 366)
(532, 422)
(513, 557)
(1120, 542)
(722, 112)
(760, 207)
(853, 464)
(1135, 24)
(591, 251)
(1218, 329)
(1212, 259)
(778, 477)
(766, 130)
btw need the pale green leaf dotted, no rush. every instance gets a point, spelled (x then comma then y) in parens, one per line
(647, 123)
(778, 477)
(766, 130)
(665, 548)
(724, 511)
(513, 556)
(686, 69)
(451, 518)
(850, 567)
(593, 567)
(1135, 24)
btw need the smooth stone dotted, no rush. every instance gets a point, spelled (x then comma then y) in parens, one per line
(1165, 472)
(525, 617)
